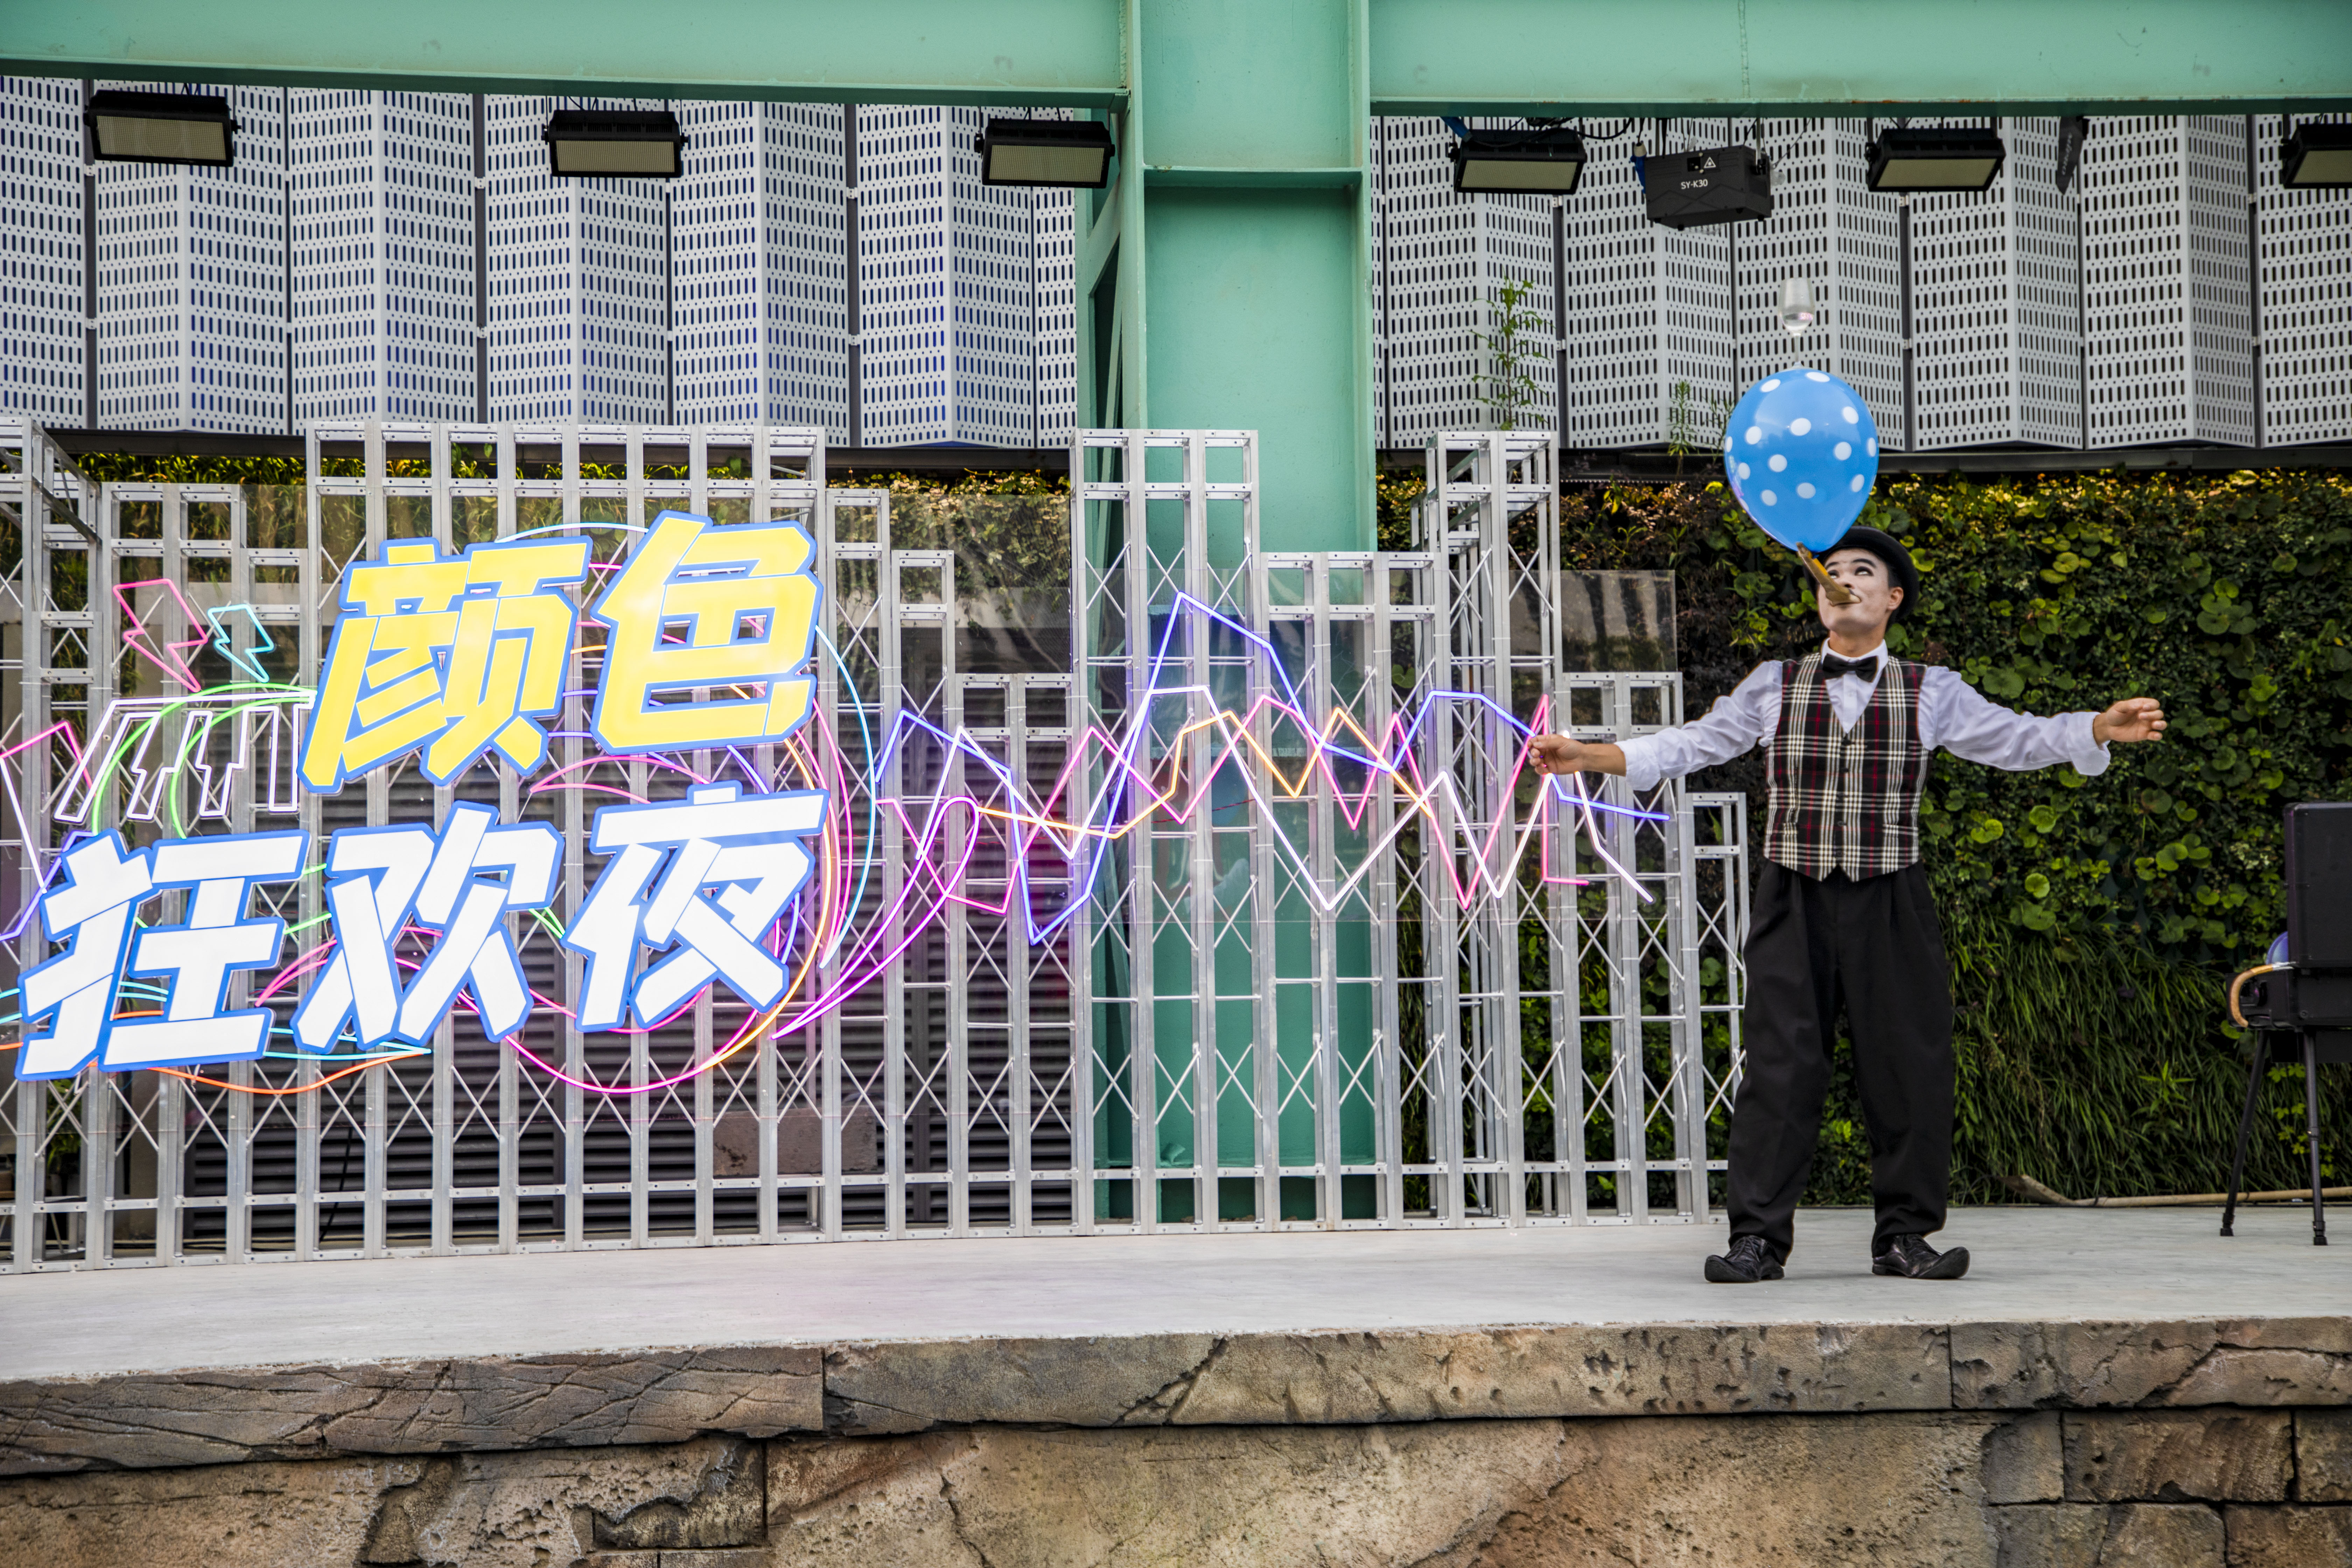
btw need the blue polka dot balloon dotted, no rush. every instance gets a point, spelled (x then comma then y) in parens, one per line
(1801, 452)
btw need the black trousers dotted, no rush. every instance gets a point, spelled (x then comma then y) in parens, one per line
(1873, 948)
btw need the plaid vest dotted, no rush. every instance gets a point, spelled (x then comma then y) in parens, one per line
(1845, 800)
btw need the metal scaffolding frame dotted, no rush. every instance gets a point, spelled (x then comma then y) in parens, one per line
(1165, 949)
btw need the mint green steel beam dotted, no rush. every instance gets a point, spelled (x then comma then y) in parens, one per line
(1052, 52)
(1251, 238)
(1482, 57)
(1851, 58)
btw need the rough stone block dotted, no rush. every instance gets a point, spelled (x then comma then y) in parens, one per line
(2289, 1537)
(2143, 1535)
(1343, 1378)
(2024, 1460)
(2176, 1456)
(1569, 1371)
(2250, 1361)
(2048, 1535)
(1444, 1494)
(219, 1516)
(728, 1507)
(531, 1510)
(899, 1387)
(418, 1407)
(2323, 1456)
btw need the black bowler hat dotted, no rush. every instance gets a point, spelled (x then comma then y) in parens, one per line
(1897, 560)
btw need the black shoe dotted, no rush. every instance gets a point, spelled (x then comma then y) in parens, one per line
(1746, 1261)
(1913, 1259)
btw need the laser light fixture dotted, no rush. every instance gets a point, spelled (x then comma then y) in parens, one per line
(614, 144)
(1547, 160)
(1935, 158)
(1062, 154)
(2316, 156)
(160, 128)
(1706, 185)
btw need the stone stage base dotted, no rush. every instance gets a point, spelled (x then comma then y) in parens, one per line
(2106, 1387)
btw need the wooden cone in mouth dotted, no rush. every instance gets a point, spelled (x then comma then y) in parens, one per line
(1836, 591)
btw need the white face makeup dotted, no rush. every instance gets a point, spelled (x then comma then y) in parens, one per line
(1876, 597)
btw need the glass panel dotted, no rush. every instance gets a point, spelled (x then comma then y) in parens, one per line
(408, 517)
(1617, 620)
(276, 517)
(473, 520)
(342, 524)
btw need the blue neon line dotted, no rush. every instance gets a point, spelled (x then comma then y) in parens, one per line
(1562, 789)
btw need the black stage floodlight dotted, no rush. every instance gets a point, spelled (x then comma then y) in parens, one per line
(1063, 155)
(1714, 185)
(1935, 158)
(1547, 163)
(614, 144)
(160, 128)
(2316, 156)
(2073, 132)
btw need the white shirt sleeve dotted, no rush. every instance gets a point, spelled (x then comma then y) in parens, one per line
(1961, 720)
(1737, 722)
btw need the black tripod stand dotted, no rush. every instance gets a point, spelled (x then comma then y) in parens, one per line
(2311, 1047)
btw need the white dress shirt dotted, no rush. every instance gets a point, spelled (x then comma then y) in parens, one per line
(1953, 715)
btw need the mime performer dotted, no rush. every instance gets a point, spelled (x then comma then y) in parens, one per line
(1842, 916)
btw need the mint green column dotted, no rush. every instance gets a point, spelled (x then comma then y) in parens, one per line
(1249, 122)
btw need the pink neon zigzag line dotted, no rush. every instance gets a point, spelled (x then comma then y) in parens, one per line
(166, 657)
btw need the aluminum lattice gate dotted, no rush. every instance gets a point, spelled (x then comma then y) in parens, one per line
(1182, 885)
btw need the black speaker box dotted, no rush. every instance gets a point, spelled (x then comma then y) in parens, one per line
(1713, 184)
(2319, 885)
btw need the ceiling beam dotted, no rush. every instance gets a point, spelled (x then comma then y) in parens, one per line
(1809, 59)
(1570, 58)
(1048, 52)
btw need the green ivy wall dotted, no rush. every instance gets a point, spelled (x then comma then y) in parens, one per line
(2092, 922)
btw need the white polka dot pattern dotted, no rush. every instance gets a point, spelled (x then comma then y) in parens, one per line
(1814, 434)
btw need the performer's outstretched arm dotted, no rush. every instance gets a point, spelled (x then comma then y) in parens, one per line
(1738, 721)
(1961, 720)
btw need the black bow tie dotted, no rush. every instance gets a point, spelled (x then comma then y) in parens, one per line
(1832, 666)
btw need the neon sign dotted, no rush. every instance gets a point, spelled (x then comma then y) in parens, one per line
(744, 882)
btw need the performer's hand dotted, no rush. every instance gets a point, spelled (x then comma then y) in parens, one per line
(2133, 719)
(1559, 755)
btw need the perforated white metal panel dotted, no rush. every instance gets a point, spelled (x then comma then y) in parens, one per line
(726, 248)
(1648, 308)
(2166, 280)
(1830, 227)
(807, 333)
(192, 282)
(965, 286)
(383, 254)
(1440, 256)
(1999, 357)
(2306, 300)
(40, 228)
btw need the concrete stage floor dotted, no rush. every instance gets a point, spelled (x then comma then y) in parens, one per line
(2029, 1265)
(2064, 1309)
